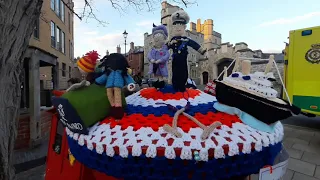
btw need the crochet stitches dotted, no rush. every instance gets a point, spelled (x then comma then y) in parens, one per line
(139, 134)
(225, 141)
(255, 84)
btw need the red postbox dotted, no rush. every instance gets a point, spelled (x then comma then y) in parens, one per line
(58, 159)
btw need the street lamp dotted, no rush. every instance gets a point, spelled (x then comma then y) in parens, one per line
(125, 35)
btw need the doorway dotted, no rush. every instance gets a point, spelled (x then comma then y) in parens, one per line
(205, 77)
(225, 62)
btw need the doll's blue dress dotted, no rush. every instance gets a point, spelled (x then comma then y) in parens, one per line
(115, 79)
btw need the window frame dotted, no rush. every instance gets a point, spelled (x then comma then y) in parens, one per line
(69, 22)
(70, 71)
(53, 5)
(71, 50)
(62, 11)
(58, 6)
(58, 38)
(63, 42)
(63, 69)
(53, 38)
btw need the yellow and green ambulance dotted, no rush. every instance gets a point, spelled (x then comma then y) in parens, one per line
(302, 69)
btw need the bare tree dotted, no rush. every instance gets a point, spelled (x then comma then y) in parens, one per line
(17, 22)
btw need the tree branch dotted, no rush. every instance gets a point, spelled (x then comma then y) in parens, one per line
(88, 11)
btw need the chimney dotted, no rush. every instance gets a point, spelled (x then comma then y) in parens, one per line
(193, 27)
(107, 53)
(132, 46)
(119, 49)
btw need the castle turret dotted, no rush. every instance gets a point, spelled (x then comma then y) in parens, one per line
(207, 30)
(118, 49)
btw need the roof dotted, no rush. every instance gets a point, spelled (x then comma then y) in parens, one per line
(277, 56)
(239, 43)
(217, 34)
(244, 50)
(136, 50)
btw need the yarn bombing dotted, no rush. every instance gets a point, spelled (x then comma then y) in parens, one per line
(160, 29)
(210, 88)
(113, 146)
(257, 84)
(88, 62)
(93, 55)
(253, 94)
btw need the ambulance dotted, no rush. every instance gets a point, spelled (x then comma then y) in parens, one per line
(302, 69)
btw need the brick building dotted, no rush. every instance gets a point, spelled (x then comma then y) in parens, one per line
(135, 58)
(48, 65)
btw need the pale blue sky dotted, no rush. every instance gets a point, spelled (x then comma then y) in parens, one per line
(262, 24)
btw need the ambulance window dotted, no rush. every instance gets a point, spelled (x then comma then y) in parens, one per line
(306, 32)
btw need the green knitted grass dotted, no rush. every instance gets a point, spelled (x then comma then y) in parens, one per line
(91, 103)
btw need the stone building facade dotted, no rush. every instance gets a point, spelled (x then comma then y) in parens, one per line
(56, 36)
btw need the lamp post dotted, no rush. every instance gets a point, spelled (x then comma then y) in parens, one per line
(125, 35)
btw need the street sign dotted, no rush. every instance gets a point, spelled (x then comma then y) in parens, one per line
(277, 171)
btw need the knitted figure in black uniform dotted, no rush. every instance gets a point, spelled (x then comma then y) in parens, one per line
(179, 44)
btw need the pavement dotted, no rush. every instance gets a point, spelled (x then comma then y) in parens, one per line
(36, 173)
(303, 147)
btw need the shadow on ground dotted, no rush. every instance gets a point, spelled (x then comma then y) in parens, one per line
(313, 123)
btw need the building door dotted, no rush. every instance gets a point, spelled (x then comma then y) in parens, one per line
(25, 85)
(225, 62)
(205, 77)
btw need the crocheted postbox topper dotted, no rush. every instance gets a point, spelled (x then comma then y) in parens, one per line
(161, 137)
(88, 63)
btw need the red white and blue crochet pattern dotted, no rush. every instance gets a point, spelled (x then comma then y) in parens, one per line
(139, 146)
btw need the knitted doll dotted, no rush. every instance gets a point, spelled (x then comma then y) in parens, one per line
(210, 88)
(158, 56)
(179, 44)
(191, 84)
(114, 78)
(86, 66)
